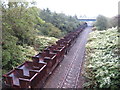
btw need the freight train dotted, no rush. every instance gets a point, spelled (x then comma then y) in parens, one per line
(33, 74)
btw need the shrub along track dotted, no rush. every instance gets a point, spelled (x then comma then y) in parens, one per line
(67, 74)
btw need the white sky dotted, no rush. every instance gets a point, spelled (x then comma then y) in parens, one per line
(90, 8)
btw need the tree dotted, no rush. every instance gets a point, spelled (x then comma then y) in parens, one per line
(61, 21)
(102, 22)
(18, 21)
(113, 22)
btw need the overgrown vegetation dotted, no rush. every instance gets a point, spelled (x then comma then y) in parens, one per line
(61, 21)
(26, 33)
(43, 41)
(103, 23)
(102, 65)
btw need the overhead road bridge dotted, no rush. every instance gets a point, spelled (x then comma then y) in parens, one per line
(87, 19)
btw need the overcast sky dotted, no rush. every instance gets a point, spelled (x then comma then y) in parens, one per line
(90, 8)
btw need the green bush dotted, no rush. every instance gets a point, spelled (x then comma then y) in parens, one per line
(14, 55)
(42, 42)
(102, 61)
(47, 29)
(101, 22)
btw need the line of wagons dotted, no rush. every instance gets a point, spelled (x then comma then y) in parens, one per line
(33, 74)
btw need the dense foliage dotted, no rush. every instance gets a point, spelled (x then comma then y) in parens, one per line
(102, 65)
(43, 41)
(63, 22)
(16, 31)
(47, 29)
(25, 33)
(101, 22)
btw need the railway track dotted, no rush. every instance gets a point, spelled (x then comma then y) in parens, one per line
(67, 74)
(71, 74)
